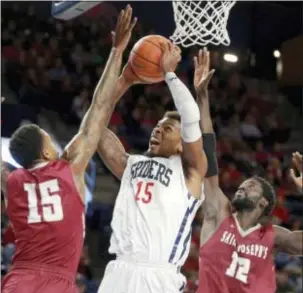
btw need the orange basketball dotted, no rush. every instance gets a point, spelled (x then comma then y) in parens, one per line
(145, 58)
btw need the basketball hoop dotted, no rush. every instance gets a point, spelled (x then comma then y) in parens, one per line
(201, 22)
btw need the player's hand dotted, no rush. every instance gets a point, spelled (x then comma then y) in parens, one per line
(2, 99)
(202, 74)
(124, 28)
(170, 58)
(297, 160)
(130, 77)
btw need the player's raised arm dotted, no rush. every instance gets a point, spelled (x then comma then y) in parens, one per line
(297, 160)
(289, 241)
(216, 203)
(84, 144)
(110, 149)
(286, 240)
(193, 155)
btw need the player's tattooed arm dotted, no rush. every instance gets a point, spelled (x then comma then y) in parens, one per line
(289, 241)
(84, 144)
(113, 153)
(216, 204)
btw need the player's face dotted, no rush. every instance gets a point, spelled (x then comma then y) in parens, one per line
(165, 139)
(248, 196)
(49, 151)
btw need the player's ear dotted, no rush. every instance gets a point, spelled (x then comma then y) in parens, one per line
(263, 203)
(180, 148)
(45, 154)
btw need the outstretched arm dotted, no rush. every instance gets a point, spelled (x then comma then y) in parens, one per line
(216, 205)
(286, 240)
(110, 149)
(84, 144)
(297, 160)
(289, 241)
(193, 155)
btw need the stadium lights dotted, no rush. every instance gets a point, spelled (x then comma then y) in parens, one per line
(231, 58)
(277, 54)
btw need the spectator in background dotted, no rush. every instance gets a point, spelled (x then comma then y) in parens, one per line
(95, 57)
(58, 72)
(81, 284)
(283, 286)
(80, 105)
(262, 156)
(249, 129)
(192, 265)
(280, 213)
(232, 130)
(78, 54)
(84, 266)
(274, 168)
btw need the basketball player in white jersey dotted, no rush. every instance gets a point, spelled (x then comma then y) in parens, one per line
(159, 195)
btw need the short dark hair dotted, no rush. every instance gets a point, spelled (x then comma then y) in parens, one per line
(26, 144)
(268, 193)
(172, 115)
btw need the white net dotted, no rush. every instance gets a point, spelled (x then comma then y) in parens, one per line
(201, 22)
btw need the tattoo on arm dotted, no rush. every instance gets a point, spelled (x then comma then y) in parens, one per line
(112, 152)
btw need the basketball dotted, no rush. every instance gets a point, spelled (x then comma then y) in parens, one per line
(145, 58)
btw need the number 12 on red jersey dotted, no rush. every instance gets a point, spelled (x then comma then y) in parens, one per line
(239, 268)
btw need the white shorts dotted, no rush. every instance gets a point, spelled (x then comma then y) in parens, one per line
(128, 276)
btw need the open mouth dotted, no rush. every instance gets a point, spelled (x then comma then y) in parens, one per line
(154, 141)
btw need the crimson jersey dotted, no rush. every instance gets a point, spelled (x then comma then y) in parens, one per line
(237, 261)
(47, 216)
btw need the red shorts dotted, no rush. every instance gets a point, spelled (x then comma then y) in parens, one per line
(34, 280)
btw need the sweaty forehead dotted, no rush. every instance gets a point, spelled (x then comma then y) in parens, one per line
(169, 121)
(250, 183)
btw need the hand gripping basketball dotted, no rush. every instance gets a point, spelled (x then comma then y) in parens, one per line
(123, 29)
(202, 74)
(130, 76)
(171, 58)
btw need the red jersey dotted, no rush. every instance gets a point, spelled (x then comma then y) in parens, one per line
(47, 216)
(237, 261)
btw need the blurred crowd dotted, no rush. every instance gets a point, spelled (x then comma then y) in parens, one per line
(55, 65)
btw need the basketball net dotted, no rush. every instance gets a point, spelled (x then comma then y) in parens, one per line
(201, 22)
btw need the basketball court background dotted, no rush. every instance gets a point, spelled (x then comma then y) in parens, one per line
(255, 28)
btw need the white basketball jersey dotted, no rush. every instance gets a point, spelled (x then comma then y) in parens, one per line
(153, 211)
